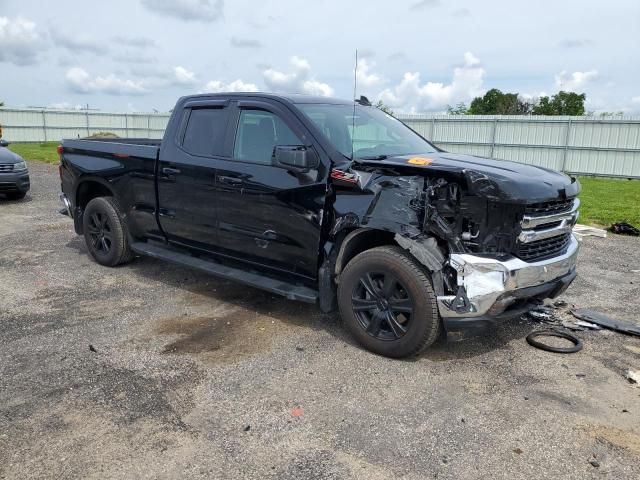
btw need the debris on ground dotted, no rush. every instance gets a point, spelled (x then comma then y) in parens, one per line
(623, 228)
(633, 376)
(92, 349)
(592, 326)
(577, 343)
(587, 231)
(598, 318)
(297, 412)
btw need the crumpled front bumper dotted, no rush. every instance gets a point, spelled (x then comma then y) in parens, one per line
(493, 289)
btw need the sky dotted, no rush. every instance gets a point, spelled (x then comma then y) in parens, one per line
(414, 55)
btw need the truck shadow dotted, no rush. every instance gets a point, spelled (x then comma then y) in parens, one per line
(252, 306)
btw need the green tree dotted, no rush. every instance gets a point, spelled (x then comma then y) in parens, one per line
(562, 103)
(1, 104)
(495, 102)
(384, 108)
(460, 109)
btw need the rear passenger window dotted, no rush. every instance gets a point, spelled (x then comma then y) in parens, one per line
(205, 131)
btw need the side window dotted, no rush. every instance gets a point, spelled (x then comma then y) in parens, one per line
(257, 135)
(205, 131)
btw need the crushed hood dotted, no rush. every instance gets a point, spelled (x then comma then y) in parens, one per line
(500, 180)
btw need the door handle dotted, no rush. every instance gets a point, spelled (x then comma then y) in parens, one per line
(229, 180)
(170, 171)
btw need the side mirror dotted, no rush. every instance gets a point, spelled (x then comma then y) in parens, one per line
(3, 143)
(295, 157)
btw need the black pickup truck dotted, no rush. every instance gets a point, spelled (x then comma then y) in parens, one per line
(332, 202)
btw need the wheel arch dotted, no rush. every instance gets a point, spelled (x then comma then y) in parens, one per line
(87, 190)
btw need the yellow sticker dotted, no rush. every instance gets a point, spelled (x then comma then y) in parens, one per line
(420, 161)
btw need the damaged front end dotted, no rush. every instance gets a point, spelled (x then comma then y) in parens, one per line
(494, 247)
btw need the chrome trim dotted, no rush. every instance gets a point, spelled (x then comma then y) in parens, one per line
(67, 204)
(567, 221)
(487, 279)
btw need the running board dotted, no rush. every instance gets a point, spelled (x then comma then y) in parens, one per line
(289, 290)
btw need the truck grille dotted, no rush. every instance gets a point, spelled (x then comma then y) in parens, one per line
(541, 249)
(545, 208)
(6, 167)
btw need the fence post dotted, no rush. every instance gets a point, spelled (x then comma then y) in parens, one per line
(433, 129)
(126, 125)
(44, 125)
(493, 137)
(149, 125)
(566, 145)
(87, 119)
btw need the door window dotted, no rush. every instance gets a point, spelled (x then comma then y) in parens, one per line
(205, 131)
(257, 135)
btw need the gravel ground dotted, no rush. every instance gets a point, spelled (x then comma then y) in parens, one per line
(195, 377)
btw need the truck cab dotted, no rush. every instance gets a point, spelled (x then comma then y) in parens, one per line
(332, 202)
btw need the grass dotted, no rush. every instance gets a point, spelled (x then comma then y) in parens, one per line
(604, 200)
(609, 200)
(43, 152)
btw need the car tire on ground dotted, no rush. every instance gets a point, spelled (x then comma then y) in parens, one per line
(387, 302)
(105, 232)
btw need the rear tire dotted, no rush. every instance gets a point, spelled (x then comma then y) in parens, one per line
(388, 304)
(105, 232)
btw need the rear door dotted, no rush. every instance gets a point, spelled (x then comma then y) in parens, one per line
(186, 174)
(267, 214)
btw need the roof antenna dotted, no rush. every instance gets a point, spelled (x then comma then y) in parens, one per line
(353, 119)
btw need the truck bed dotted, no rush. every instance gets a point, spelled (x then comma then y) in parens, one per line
(145, 148)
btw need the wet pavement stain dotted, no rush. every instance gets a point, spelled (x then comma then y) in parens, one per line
(225, 338)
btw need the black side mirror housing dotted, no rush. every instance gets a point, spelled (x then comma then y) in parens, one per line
(3, 143)
(295, 157)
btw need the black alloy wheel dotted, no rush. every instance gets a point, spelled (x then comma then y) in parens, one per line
(100, 232)
(387, 302)
(382, 305)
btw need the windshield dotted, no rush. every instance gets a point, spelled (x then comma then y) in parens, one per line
(376, 135)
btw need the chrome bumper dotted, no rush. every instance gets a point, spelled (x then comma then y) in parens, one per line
(491, 285)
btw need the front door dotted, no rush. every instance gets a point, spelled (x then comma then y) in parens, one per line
(186, 175)
(269, 215)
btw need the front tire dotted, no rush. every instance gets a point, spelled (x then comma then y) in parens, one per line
(388, 304)
(105, 232)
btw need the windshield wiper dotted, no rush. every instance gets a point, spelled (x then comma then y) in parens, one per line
(375, 157)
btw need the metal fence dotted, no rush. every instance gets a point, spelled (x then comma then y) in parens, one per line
(32, 125)
(581, 145)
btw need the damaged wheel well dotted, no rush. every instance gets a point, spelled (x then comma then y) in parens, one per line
(425, 250)
(359, 240)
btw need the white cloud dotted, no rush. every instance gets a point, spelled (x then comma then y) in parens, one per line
(182, 76)
(65, 106)
(190, 10)
(366, 79)
(575, 82)
(411, 95)
(636, 100)
(80, 81)
(216, 86)
(299, 81)
(77, 43)
(20, 42)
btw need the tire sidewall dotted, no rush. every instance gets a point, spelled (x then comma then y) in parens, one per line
(424, 314)
(104, 206)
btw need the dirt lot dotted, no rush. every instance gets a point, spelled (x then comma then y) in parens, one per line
(197, 377)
